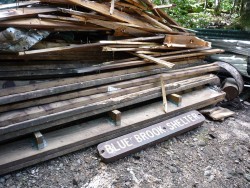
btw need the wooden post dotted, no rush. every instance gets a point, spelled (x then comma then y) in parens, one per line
(164, 97)
(40, 140)
(115, 115)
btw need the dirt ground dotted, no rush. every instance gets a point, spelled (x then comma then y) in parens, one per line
(217, 154)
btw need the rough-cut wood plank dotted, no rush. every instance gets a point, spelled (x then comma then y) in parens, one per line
(61, 49)
(104, 9)
(75, 94)
(51, 25)
(33, 112)
(120, 28)
(19, 154)
(185, 41)
(54, 87)
(156, 60)
(106, 105)
(24, 12)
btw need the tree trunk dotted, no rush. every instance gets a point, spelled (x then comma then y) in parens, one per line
(217, 7)
(245, 14)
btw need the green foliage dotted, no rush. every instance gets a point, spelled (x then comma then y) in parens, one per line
(193, 14)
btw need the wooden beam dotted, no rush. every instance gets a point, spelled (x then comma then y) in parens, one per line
(40, 140)
(115, 115)
(9, 14)
(119, 15)
(96, 131)
(156, 60)
(50, 25)
(96, 108)
(164, 95)
(175, 98)
(11, 95)
(185, 41)
(61, 49)
(163, 6)
(112, 7)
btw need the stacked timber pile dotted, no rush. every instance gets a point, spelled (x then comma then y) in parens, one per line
(65, 64)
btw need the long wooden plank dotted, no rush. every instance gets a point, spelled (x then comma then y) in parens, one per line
(61, 49)
(119, 15)
(100, 107)
(35, 112)
(20, 154)
(120, 28)
(24, 12)
(65, 81)
(50, 88)
(70, 84)
(75, 94)
(161, 54)
(50, 24)
(156, 60)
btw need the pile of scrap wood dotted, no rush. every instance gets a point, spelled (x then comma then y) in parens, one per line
(124, 63)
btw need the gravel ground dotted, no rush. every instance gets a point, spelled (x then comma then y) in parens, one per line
(217, 154)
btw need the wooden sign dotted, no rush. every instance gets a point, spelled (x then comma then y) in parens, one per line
(135, 141)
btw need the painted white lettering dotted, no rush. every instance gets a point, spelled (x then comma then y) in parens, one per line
(170, 126)
(143, 135)
(127, 142)
(160, 129)
(114, 148)
(184, 122)
(150, 134)
(155, 131)
(190, 117)
(179, 123)
(138, 138)
(195, 116)
(186, 119)
(174, 124)
(108, 148)
(121, 144)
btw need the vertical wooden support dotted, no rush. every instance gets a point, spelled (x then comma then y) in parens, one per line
(115, 115)
(112, 7)
(175, 98)
(40, 140)
(164, 95)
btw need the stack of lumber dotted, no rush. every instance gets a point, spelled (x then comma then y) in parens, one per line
(133, 55)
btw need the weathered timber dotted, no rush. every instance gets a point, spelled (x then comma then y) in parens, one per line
(119, 15)
(59, 86)
(54, 25)
(156, 60)
(115, 115)
(89, 133)
(175, 98)
(103, 106)
(230, 87)
(185, 41)
(24, 12)
(85, 92)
